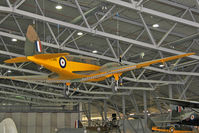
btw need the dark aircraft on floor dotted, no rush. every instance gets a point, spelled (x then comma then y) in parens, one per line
(182, 115)
(183, 120)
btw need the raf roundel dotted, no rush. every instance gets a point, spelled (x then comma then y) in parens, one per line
(62, 62)
(192, 117)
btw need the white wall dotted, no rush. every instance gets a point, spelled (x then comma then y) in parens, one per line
(41, 122)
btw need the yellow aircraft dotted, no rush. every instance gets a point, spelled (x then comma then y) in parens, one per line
(72, 68)
(172, 129)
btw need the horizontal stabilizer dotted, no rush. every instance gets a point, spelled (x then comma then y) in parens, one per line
(33, 77)
(17, 60)
(48, 56)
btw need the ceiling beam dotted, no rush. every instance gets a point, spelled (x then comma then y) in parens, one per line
(175, 4)
(51, 93)
(60, 101)
(92, 31)
(154, 12)
(123, 19)
(152, 81)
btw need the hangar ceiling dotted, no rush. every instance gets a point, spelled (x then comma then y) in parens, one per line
(112, 28)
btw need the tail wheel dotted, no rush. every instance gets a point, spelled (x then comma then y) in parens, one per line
(171, 130)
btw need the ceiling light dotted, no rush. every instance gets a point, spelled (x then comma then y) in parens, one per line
(58, 7)
(161, 65)
(14, 40)
(155, 25)
(142, 54)
(104, 8)
(79, 33)
(9, 71)
(94, 51)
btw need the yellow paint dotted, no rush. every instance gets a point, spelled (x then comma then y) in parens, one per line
(66, 73)
(51, 62)
(169, 130)
(17, 60)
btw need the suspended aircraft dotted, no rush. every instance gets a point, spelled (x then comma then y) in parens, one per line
(68, 68)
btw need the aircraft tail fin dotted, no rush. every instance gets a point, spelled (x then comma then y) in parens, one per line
(78, 124)
(150, 123)
(33, 44)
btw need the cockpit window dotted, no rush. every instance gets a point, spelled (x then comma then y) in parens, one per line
(82, 59)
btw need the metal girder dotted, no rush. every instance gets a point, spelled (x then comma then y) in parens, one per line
(91, 31)
(51, 93)
(38, 97)
(123, 19)
(169, 31)
(17, 100)
(154, 12)
(19, 4)
(3, 19)
(12, 108)
(31, 90)
(9, 4)
(137, 88)
(175, 4)
(124, 113)
(104, 16)
(147, 29)
(107, 40)
(20, 69)
(30, 102)
(121, 87)
(153, 81)
(82, 14)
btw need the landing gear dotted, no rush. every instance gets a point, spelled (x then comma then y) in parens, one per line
(116, 85)
(66, 89)
(116, 81)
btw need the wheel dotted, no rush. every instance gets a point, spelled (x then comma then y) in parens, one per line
(66, 91)
(116, 88)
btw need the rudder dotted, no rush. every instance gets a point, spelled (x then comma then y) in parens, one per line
(33, 44)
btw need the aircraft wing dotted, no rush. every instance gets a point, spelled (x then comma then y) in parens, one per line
(171, 121)
(183, 103)
(119, 70)
(33, 77)
(122, 69)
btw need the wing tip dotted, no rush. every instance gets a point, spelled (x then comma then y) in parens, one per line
(193, 53)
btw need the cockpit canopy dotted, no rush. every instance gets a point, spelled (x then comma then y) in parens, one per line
(82, 59)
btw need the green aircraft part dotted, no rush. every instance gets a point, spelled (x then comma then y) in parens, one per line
(79, 18)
